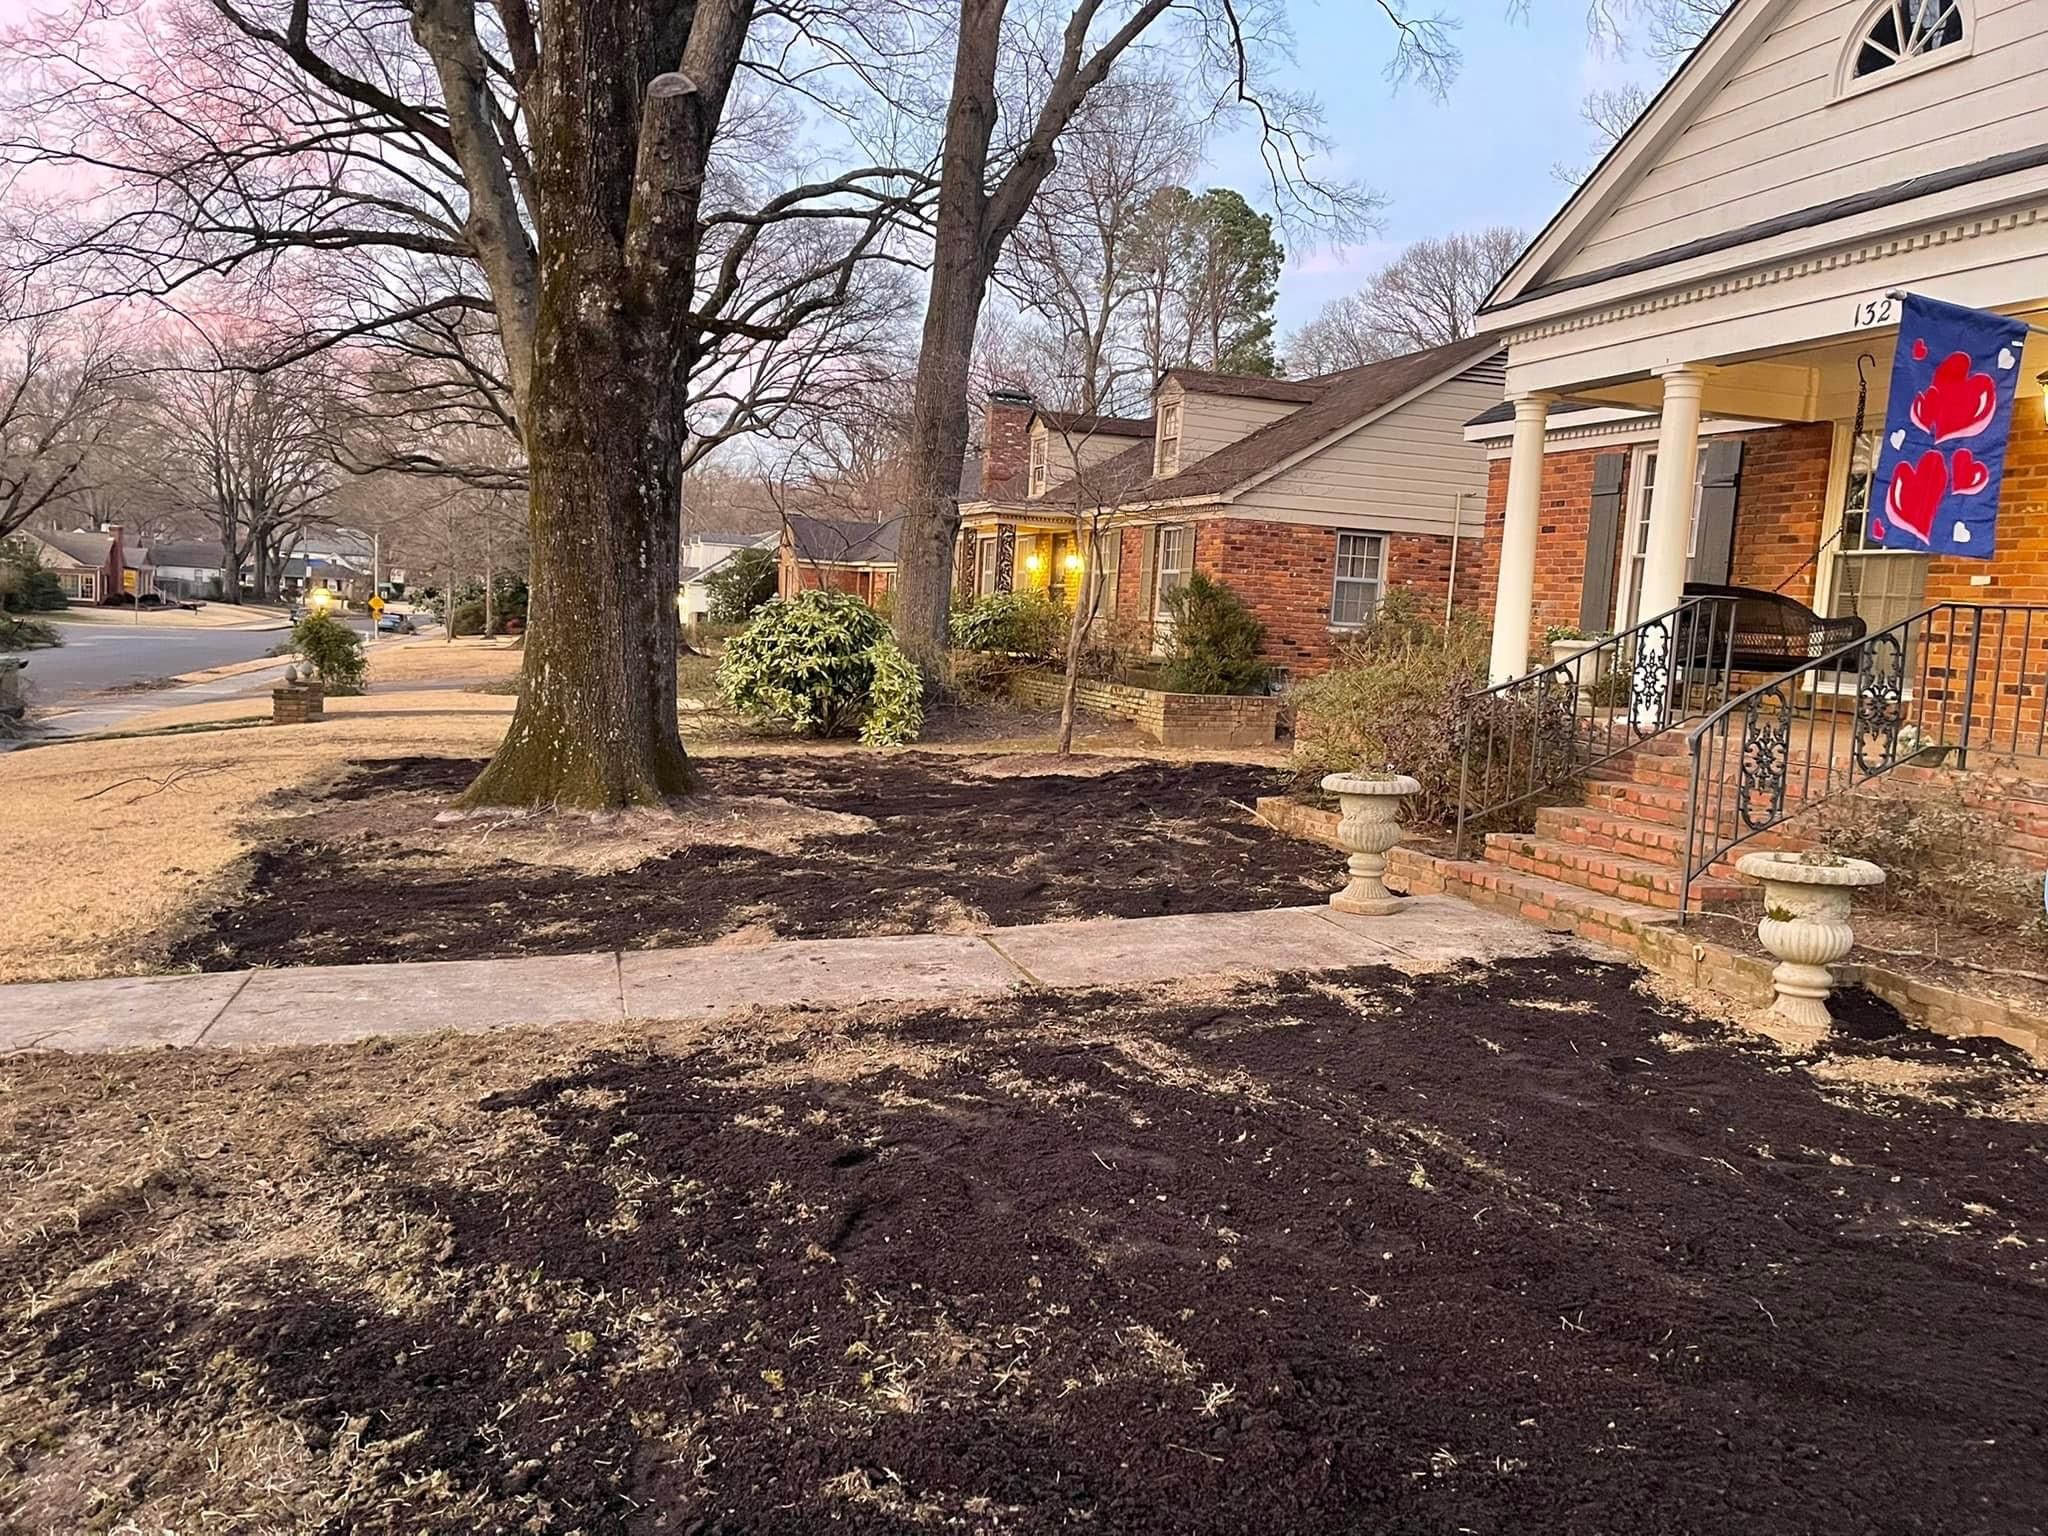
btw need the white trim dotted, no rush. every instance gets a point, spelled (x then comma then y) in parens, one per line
(1638, 429)
(1848, 85)
(1705, 69)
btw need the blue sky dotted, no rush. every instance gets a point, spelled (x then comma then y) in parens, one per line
(1483, 155)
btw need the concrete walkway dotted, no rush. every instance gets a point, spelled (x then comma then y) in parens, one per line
(328, 1004)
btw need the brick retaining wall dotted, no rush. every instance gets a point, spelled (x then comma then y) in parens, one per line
(1171, 719)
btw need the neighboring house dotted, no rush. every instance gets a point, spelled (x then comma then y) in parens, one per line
(310, 573)
(1310, 498)
(93, 567)
(1705, 296)
(837, 553)
(189, 569)
(704, 556)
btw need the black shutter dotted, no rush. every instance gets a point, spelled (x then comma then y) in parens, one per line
(1603, 529)
(1714, 549)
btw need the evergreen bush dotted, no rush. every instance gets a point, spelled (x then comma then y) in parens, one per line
(1216, 641)
(332, 650)
(824, 664)
(1011, 624)
(738, 588)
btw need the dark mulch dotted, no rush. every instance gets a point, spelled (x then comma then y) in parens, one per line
(1488, 1253)
(1150, 839)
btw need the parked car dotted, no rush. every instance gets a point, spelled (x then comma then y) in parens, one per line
(389, 623)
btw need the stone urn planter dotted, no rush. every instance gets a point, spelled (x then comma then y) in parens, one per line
(1806, 924)
(1368, 827)
(1585, 669)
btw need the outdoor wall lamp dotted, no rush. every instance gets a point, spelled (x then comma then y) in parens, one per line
(1073, 561)
(1033, 561)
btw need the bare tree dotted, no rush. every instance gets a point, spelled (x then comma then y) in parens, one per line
(1427, 296)
(1075, 259)
(1674, 28)
(246, 450)
(63, 401)
(1097, 488)
(403, 174)
(986, 184)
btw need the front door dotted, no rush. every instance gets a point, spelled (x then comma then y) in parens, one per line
(1636, 545)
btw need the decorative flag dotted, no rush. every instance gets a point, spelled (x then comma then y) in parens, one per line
(1942, 461)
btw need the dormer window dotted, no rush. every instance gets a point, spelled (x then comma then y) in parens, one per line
(1903, 32)
(1166, 453)
(1039, 440)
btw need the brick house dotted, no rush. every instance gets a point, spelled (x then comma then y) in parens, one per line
(837, 554)
(93, 567)
(1723, 290)
(1310, 498)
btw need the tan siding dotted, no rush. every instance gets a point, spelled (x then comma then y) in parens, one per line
(1208, 422)
(1774, 139)
(1400, 473)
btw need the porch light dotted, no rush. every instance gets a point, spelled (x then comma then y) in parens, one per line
(2043, 382)
(1033, 562)
(1073, 560)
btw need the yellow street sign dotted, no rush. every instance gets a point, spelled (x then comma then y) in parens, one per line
(128, 581)
(376, 605)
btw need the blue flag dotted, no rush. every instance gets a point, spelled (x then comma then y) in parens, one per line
(1942, 462)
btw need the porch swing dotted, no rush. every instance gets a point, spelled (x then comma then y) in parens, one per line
(1773, 633)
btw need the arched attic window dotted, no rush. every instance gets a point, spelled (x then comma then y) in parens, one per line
(1902, 32)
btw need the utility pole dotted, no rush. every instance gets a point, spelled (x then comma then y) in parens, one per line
(490, 603)
(448, 587)
(376, 579)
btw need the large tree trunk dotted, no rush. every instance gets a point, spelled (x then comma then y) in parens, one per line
(962, 259)
(596, 725)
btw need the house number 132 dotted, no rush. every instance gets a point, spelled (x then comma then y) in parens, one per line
(1877, 311)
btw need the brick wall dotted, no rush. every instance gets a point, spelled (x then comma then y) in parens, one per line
(1779, 508)
(1005, 447)
(1778, 512)
(1171, 719)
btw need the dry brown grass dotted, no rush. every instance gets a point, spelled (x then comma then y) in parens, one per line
(127, 834)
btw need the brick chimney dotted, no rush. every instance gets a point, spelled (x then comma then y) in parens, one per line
(1006, 443)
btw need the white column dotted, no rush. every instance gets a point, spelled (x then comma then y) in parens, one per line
(1671, 498)
(1514, 595)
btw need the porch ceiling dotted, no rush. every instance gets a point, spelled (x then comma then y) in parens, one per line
(1815, 382)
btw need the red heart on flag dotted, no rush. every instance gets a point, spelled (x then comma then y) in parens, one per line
(1915, 494)
(1958, 403)
(1919, 349)
(1966, 474)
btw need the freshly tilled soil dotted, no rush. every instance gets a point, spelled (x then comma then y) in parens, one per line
(947, 849)
(1506, 1251)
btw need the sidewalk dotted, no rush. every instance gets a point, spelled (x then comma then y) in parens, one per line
(333, 1004)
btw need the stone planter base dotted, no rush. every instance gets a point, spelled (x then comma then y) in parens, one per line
(1806, 926)
(1368, 829)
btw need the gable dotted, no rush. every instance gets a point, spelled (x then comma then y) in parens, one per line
(1764, 129)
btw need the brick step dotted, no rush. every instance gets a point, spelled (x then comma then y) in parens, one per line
(1562, 908)
(1606, 874)
(1653, 842)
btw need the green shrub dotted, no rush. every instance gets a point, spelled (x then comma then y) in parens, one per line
(895, 698)
(1011, 624)
(26, 584)
(21, 634)
(740, 586)
(1216, 641)
(822, 663)
(331, 649)
(1396, 698)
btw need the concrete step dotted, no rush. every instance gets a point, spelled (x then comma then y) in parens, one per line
(1606, 874)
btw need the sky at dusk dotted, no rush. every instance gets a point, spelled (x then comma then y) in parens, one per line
(1484, 155)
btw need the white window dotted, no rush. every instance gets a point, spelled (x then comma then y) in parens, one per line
(1108, 558)
(1166, 455)
(1176, 557)
(1039, 438)
(1901, 32)
(1638, 548)
(985, 564)
(1361, 577)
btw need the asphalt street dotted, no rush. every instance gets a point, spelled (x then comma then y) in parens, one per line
(96, 657)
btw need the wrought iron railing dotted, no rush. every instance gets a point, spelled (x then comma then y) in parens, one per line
(1953, 680)
(1549, 729)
